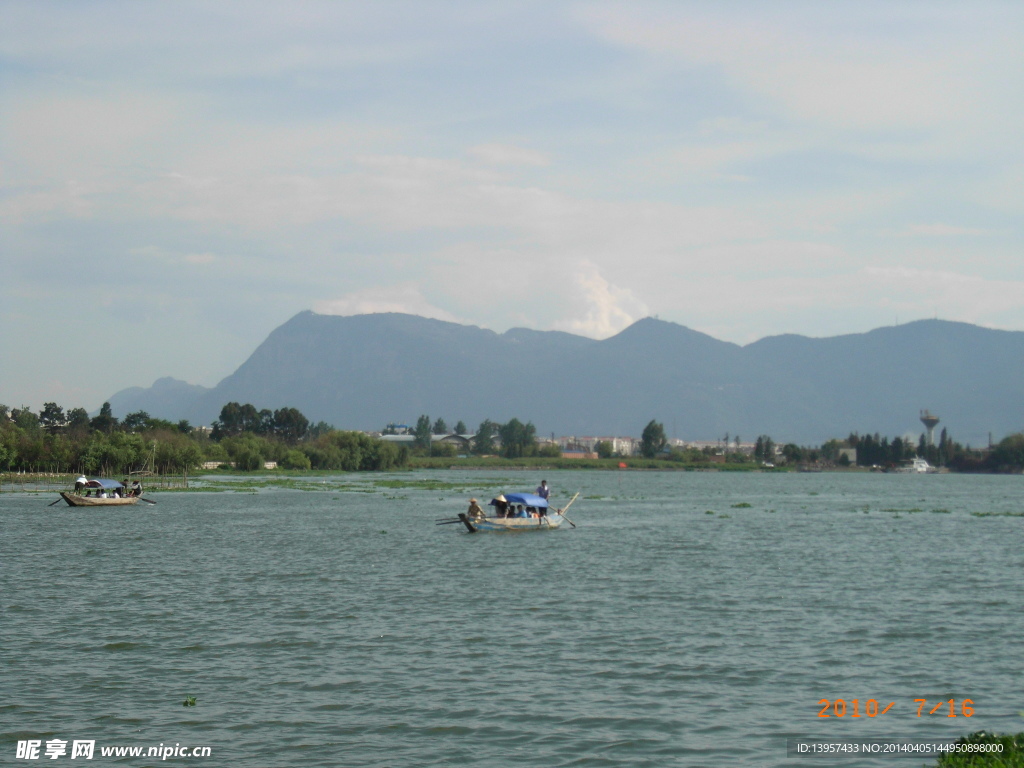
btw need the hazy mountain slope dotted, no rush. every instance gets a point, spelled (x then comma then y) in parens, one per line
(364, 371)
(168, 398)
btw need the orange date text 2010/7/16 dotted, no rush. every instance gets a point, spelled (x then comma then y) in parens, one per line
(840, 708)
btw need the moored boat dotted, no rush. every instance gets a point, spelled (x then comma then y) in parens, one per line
(99, 492)
(916, 466)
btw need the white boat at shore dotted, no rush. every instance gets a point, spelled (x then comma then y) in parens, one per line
(916, 466)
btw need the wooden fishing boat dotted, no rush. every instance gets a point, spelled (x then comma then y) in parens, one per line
(514, 512)
(102, 493)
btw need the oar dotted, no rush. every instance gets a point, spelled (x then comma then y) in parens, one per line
(562, 512)
(58, 501)
(448, 522)
(146, 500)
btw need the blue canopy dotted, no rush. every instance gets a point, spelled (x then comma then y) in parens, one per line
(526, 499)
(104, 483)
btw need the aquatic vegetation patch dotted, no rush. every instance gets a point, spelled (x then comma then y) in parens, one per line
(742, 505)
(427, 485)
(1010, 752)
(997, 514)
(190, 701)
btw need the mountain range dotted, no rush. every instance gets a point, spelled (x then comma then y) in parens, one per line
(365, 371)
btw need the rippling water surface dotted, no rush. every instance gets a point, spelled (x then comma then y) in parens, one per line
(674, 626)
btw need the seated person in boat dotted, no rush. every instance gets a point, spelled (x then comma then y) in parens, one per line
(136, 488)
(520, 512)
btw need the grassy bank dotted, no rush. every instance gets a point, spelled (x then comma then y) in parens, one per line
(1012, 755)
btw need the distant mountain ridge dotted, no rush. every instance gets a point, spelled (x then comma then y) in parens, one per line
(364, 371)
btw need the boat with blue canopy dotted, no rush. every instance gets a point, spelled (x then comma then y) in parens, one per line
(513, 512)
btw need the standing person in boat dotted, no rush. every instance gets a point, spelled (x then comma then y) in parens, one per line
(136, 488)
(501, 505)
(543, 490)
(474, 510)
(80, 483)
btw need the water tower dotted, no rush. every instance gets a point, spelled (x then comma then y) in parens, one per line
(929, 422)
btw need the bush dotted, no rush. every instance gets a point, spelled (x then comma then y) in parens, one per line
(295, 459)
(248, 460)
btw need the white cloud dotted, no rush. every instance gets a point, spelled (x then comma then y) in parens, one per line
(400, 297)
(870, 68)
(507, 154)
(600, 308)
(943, 230)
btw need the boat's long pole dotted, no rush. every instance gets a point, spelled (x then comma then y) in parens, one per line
(562, 511)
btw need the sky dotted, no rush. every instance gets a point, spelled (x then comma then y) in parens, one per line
(178, 179)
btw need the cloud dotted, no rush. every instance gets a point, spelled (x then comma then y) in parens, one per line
(601, 309)
(399, 297)
(507, 154)
(874, 69)
(942, 230)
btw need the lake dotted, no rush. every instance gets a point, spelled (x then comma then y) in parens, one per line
(676, 625)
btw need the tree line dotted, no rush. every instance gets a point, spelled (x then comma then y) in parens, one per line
(511, 440)
(55, 440)
(59, 440)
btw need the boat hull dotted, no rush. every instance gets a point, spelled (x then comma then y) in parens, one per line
(523, 524)
(75, 500)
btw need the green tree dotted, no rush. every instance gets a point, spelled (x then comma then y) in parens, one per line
(446, 450)
(1008, 455)
(440, 428)
(653, 439)
(460, 428)
(27, 422)
(265, 422)
(136, 422)
(290, 425)
(77, 420)
(318, 429)
(549, 451)
(604, 449)
(422, 432)
(248, 460)
(105, 421)
(52, 417)
(517, 439)
(236, 419)
(295, 459)
(483, 441)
